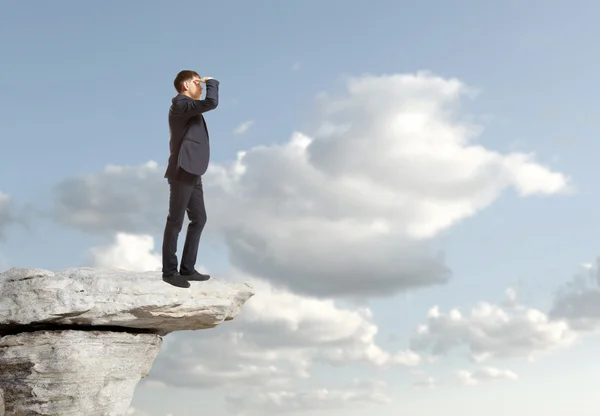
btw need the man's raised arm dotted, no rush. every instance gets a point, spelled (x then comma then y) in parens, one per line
(210, 102)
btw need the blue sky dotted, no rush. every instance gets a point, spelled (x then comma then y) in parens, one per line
(86, 85)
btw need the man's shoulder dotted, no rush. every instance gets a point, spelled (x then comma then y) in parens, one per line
(177, 103)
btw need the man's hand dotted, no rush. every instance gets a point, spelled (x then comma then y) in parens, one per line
(204, 79)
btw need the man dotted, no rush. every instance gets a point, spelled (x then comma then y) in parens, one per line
(188, 161)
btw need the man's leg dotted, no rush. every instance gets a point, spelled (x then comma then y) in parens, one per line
(196, 211)
(180, 191)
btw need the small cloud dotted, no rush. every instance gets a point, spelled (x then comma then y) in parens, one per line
(493, 331)
(129, 252)
(428, 383)
(483, 375)
(578, 300)
(296, 66)
(243, 128)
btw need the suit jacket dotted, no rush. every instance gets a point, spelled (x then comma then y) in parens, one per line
(189, 144)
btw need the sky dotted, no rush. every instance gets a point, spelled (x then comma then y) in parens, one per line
(411, 188)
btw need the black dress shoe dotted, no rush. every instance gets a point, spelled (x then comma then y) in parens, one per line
(195, 276)
(176, 280)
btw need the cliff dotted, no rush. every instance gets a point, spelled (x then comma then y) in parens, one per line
(76, 342)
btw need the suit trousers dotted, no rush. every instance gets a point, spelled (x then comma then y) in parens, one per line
(185, 195)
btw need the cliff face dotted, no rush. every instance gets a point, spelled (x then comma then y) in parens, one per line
(76, 342)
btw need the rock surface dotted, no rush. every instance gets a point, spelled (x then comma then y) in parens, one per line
(76, 342)
(107, 297)
(74, 372)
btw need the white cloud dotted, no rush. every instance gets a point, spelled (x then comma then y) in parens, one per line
(400, 143)
(485, 374)
(296, 66)
(127, 251)
(492, 331)
(346, 211)
(391, 163)
(578, 301)
(243, 128)
(260, 402)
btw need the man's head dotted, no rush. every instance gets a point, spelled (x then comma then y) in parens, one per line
(188, 83)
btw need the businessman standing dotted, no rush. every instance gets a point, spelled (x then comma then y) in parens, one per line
(188, 161)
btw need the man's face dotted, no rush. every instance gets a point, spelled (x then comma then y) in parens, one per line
(195, 88)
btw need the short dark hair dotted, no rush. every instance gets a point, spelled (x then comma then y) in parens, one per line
(183, 76)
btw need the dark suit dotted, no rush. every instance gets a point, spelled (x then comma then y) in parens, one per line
(188, 161)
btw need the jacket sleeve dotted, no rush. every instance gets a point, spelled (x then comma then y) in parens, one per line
(210, 102)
